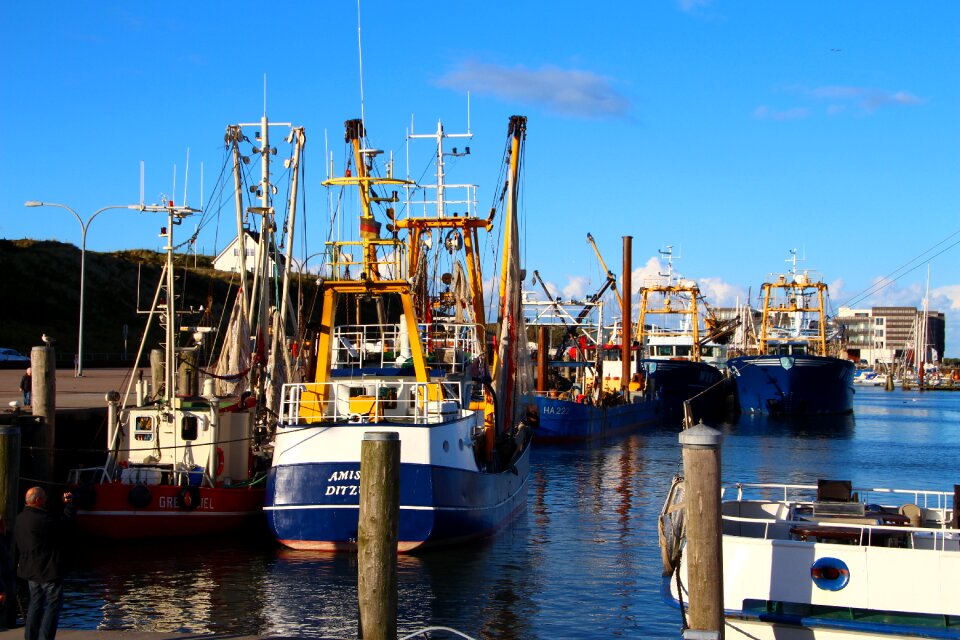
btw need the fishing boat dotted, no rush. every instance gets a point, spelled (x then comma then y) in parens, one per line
(682, 342)
(793, 372)
(576, 400)
(829, 561)
(191, 457)
(403, 346)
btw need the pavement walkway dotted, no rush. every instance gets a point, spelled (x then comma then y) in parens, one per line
(72, 392)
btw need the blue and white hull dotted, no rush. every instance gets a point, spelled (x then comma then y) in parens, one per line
(313, 488)
(793, 385)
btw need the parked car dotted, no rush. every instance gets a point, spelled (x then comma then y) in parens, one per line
(9, 355)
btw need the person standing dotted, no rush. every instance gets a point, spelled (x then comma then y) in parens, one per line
(26, 387)
(38, 540)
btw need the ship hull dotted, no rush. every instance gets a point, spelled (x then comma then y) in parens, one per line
(570, 421)
(793, 385)
(676, 381)
(312, 501)
(107, 511)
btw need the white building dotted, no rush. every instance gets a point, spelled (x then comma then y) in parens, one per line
(229, 258)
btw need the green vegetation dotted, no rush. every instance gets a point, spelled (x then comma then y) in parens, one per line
(40, 286)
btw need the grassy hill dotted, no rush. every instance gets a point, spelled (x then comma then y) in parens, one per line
(40, 285)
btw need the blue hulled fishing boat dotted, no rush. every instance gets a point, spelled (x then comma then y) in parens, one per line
(585, 392)
(403, 346)
(681, 342)
(793, 372)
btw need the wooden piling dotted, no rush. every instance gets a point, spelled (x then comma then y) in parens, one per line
(704, 549)
(377, 534)
(10, 471)
(888, 385)
(43, 363)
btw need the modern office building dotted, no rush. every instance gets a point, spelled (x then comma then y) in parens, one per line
(883, 334)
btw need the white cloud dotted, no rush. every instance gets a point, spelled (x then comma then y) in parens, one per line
(564, 91)
(720, 293)
(576, 288)
(947, 297)
(866, 98)
(839, 99)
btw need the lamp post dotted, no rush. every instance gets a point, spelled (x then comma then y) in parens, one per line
(83, 258)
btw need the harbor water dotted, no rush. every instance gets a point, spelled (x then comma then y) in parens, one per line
(581, 562)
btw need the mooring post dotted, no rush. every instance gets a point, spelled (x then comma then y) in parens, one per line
(704, 549)
(377, 534)
(43, 363)
(10, 471)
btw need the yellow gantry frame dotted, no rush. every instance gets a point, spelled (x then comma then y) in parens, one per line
(312, 403)
(793, 291)
(468, 226)
(671, 292)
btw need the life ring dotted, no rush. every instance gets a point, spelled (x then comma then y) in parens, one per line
(139, 496)
(830, 574)
(219, 462)
(189, 498)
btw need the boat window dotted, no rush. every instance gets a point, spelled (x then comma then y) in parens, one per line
(664, 350)
(684, 349)
(188, 427)
(143, 428)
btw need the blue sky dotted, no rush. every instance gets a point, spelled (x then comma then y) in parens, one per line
(733, 131)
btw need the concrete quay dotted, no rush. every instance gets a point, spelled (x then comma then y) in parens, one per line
(86, 392)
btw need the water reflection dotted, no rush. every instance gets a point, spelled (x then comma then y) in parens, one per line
(198, 586)
(793, 426)
(582, 560)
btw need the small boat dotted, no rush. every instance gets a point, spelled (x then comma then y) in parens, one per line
(793, 372)
(681, 342)
(829, 561)
(191, 457)
(403, 346)
(869, 378)
(576, 400)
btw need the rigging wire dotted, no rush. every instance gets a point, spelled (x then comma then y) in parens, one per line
(888, 279)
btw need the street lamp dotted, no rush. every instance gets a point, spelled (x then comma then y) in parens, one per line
(83, 258)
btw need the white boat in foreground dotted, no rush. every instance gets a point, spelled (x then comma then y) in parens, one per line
(829, 561)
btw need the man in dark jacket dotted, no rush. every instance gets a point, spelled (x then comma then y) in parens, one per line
(38, 539)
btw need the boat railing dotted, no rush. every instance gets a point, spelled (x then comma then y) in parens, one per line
(861, 533)
(364, 401)
(367, 345)
(348, 259)
(941, 501)
(448, 345)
